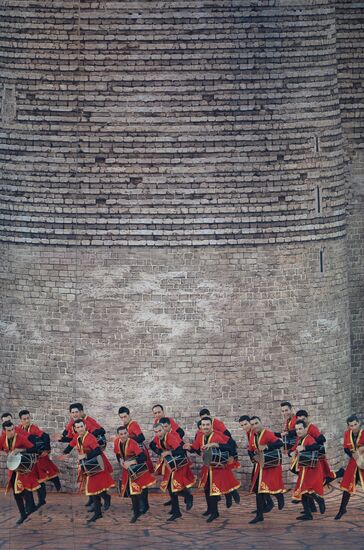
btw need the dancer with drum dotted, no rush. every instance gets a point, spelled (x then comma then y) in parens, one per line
(22, 475)
(174, 467)
(354, 472)
(135, 478)
(310, 482)
(47, 470)
(288, 435)
(264, 449)
(158, 413)
(316, 433)
(216, 477)
(94, 468)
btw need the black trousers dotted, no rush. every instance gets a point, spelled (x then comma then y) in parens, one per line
(24, 500)
(211, 501)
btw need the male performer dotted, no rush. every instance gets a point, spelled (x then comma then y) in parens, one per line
(179, 481)
(158, 413)
(265, 480)
(354, 448)
(289, 421)
(135, 433)
(314, 432)
(22, 484)
(128, 453)
(95, 485)
(46, 468)
(217, 425)
(216, 481)
(310, 483)
(244, 422)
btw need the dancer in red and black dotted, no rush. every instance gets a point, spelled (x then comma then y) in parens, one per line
(244, 422)
(158, 413)
(179, 481)
(128, 452)
(234, 464)
(22, 484)
(135, 433)
(216, 481)
(265, 480)
(353, 447)
(310, 482)
(97, 484)
(47, 470)
(288, 435)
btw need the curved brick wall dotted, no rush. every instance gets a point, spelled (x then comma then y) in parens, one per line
(169, 123)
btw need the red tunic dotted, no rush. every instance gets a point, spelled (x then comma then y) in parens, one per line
(134, 430)
(290, 423)
(27, 481)
(126, 451)
(310, 480)
(97, 483)
(180, 479)
(90, 424)
(46, 468)
(349, 480)
(218, 426)
(314, 432)
(269, 480)
(222, 480)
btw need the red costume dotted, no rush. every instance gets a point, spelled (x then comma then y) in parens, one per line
(90, 424)
(352, 470)
(46, 468)
(28, 481)
(310, 480)
(290, 423)
(128, 450)
(180, 479)
(222, 480)
(314, 432)
(265, 480)
(99, 482)
(134, 432)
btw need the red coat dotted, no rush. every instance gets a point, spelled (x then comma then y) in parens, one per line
(126, 451)
(310, 480)
(349, 480)
(290, 423)
(97, 483)
(134, 431)
(222, 480)
(180, 479)
(46, 468)
(314, 432)
(269, 480)
(27, 481)
(90, 424)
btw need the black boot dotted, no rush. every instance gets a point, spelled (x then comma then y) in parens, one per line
(42, 493)
(340, 473)
(214, 510)
(30, 506)
(89, 502)
(229, 500)
(20, 504)
(176, 512)
(57, 484)
(144, 504)
(135, 503)
(188, 498)
(344, 502)
(260, 506)
(107, 500)
(97, 509)
(280, 500)
(167, 503)
(268, 503)
(321, 503)
(236, 496)
(306, 506)
(208, 511)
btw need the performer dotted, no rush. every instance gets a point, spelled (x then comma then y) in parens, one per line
(22, 484)
(244, 422)
(135, 433)
(354, 472)
(47, 470)
(95, 485)
(129, 453)
(77, 412)
(178, 481)
(217, 425)
(265, 480)
(288, 435)
(216, 480)
(158, 413)
(314, 432)
(310, 483)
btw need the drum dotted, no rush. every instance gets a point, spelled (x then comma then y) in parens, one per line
(308, 459)
(137, 470)
(215, 457)
(92, 466)
(175, 462)
(21, 462)
(271, 459)
(39, 445)
(101, 440)
(289, 441)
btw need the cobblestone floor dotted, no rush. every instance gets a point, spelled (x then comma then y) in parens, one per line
(60, 525)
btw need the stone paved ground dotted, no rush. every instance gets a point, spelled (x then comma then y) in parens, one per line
(61, 526)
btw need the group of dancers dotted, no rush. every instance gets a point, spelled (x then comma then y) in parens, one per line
(30, 466)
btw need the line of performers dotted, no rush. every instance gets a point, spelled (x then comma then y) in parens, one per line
(30, 467)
